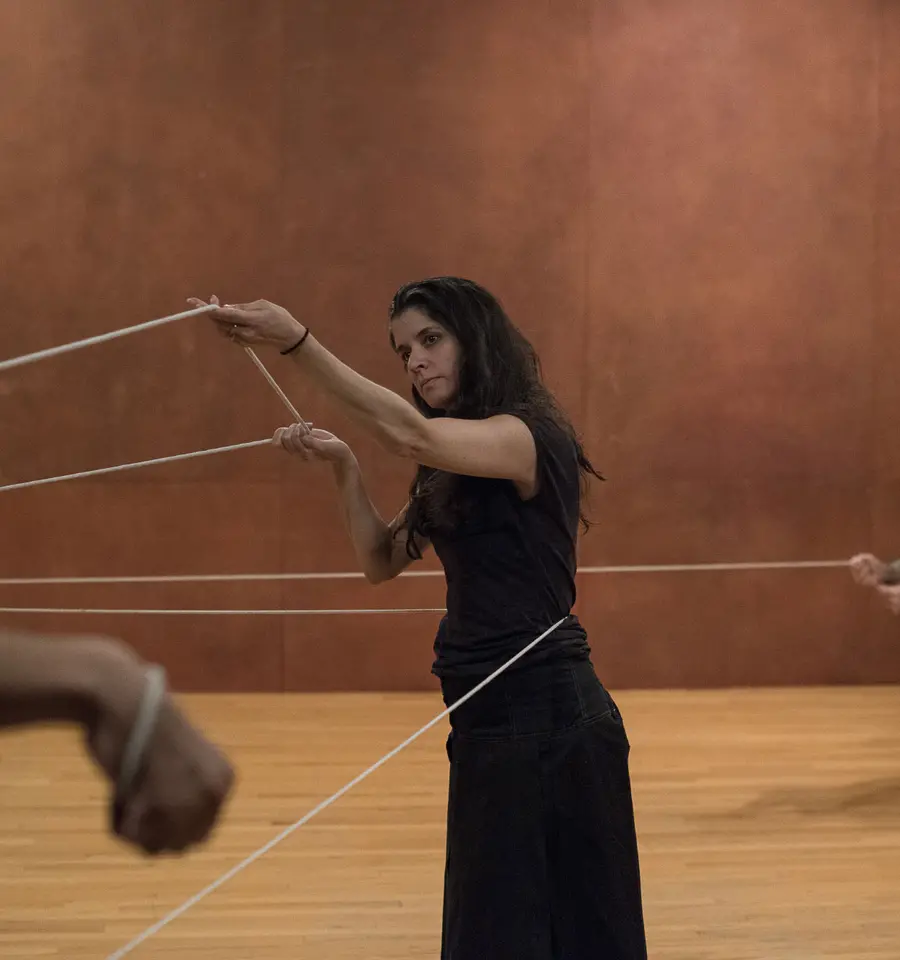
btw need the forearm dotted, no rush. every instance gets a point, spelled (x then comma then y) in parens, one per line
(48, 679)
(370, 535)
(394, 422)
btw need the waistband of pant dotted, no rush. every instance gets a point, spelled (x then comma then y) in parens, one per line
(543, 698)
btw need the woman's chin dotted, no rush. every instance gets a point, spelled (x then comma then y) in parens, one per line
(436, 398)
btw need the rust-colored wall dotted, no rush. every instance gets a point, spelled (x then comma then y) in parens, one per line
(689, 207)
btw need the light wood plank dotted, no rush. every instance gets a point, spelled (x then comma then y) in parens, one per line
(769, 823)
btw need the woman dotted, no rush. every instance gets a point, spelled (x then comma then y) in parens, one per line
(542, 857)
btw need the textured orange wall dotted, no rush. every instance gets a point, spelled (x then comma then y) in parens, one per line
(690, 207)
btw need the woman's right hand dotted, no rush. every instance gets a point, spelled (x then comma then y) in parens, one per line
(312, 444)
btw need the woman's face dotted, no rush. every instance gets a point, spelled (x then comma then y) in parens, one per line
(431, 356)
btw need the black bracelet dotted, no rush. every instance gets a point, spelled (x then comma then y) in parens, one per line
(299, 343)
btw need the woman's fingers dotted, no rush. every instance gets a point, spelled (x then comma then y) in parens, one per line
(234, 322)
(292, 439)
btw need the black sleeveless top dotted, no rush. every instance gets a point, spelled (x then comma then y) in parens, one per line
(510, 565)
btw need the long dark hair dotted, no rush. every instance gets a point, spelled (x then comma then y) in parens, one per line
(500, 372)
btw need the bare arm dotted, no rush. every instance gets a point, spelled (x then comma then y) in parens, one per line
(44, 679)
(98, 684)
(500, 446)
(380, 547)
(380, 550)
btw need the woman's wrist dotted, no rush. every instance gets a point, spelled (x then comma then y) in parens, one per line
(293, 339)
(346, 467)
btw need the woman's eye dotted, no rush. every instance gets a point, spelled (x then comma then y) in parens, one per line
(431, 338)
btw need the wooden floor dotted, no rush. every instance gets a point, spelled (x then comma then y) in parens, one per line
(769, 824)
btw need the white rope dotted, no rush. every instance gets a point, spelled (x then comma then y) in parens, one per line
(134, 466)
(251, 353)
(101, 338)
(139, 738)
(354, 575)
(730, 567)
(156, 927)
(158, 460)
(201, 578)
(159, 611)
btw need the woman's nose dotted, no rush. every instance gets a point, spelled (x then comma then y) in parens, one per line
(416, 361)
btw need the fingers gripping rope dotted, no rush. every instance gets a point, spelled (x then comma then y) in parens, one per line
(156, 927)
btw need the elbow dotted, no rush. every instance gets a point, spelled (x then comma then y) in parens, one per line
(410, 442)
(377, 562)
(374, 576)
(409, 439)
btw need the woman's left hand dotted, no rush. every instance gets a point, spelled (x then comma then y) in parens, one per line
(310, 444)
(259, 323)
